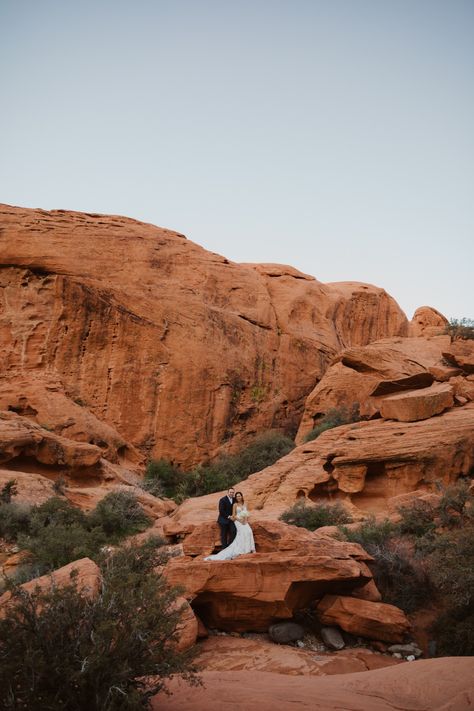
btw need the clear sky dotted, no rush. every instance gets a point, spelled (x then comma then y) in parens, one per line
(333, 135)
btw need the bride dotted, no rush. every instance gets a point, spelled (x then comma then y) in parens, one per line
(243, 541)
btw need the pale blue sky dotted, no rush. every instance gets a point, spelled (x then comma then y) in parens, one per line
(335, 135)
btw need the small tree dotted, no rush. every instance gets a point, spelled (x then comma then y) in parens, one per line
(59, 650)
(8, 491)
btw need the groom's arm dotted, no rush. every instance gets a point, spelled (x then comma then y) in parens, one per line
(222, 508)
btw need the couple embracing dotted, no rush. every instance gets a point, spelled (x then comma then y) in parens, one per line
(236, 533)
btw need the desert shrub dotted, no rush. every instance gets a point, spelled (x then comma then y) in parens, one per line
(417, 518)
(119, 514)
(461, 328)
(454, 633)
(14, 520)
(456, 505)
(58, 544)
(370, 533)
(59, 533)
(162, 479)
(112, 653)
(335, 417)
(8, 491)
(60, 486)
(402, 579)
(312, 517)
(452, 570)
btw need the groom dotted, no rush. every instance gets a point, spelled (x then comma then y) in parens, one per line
(226, 525)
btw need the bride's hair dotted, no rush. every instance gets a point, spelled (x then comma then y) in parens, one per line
(236, 495)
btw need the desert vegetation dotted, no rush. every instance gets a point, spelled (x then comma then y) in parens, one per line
(56, 533)
(428, 556)
(335, 417)
(461, 328)
(315, 516)
(163, 479)
(60, 649)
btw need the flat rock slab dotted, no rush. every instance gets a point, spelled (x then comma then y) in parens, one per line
(425, 685)
(418, 404)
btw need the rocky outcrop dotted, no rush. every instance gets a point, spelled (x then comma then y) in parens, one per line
(160, 341)
(84, 572)
(418, 404)
(20, 440)
(232, 654)
(443, 684)
(427, 321)
(461, 355)
(291, 568)
(367, 375)
(363, 463)
(375, 620)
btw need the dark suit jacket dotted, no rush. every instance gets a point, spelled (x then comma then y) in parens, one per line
(225, 510)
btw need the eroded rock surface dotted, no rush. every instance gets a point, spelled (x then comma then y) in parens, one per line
(162, 341)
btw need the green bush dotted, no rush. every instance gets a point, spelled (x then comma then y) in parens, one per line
(456, 505)
(57, 533)
(454, 633)
(8, 491)
(14, 520)
(402, 580)
(163, 479)
(335, 417)
(315, 516)
(59, 650)
(417, 518)
(461, 328)
(119, 514)
(452, 570)
(370, 533)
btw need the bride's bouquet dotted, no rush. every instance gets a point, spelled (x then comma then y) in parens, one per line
(244, 514)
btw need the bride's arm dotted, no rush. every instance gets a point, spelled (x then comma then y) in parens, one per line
(234, 512)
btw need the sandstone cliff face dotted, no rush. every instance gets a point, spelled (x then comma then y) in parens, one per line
(170, 349)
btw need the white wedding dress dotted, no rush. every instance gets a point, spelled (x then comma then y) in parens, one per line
(243, 541)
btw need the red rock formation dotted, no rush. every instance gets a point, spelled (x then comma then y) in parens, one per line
(366, 375)
(173, 349)
(443, 684)
(87, 578)
(427, 321)
(416, 405)
(374, 620)
(255, 590)
(364, 463)
(229, 653)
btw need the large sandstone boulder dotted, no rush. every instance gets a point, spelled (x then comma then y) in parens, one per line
(127, 318)
(375, 620)
(84, 572)
(427, 321)
(418, 404)
(368, 374)
(461, 354)
(20, 438)
(256, 590)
